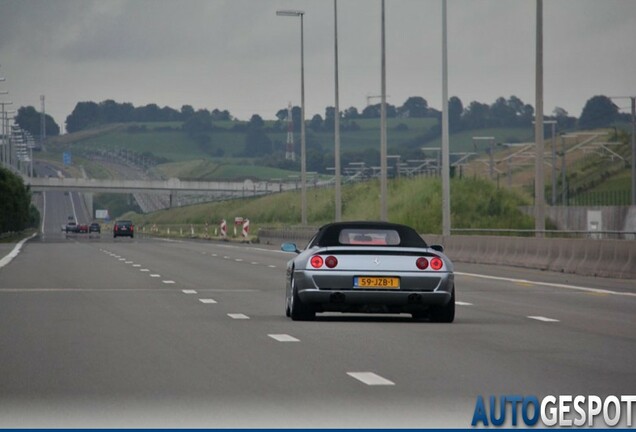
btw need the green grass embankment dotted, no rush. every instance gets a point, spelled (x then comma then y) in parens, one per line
(416, 202)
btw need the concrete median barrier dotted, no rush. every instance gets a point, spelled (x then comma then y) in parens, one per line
(589, 257)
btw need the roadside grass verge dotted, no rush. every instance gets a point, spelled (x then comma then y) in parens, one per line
(475, 203)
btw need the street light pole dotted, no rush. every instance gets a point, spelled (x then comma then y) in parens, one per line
(337, 118)
(539, 197)
(633, 151)
(446, 223)
(554, 175)
(303, 156)
(383, 144)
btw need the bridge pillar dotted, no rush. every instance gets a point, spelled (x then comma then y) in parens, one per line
(88, 200)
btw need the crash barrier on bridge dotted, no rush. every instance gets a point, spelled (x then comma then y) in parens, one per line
(588, 257)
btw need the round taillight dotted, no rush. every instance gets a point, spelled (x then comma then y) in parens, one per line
(436, 263)
(331, 261)
(421, 263)
(316, 261)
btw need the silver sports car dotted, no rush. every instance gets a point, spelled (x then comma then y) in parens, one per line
(369, 267)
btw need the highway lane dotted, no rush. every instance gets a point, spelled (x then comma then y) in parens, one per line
(155, 333)
(56, 207)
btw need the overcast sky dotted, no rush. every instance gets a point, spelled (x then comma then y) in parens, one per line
(238, 55)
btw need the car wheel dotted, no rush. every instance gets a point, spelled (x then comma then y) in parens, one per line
(446, 313)
(299, 311)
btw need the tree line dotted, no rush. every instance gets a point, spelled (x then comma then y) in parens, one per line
(16, 211)
(599, 111)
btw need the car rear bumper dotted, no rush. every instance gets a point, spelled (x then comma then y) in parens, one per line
(366, 297)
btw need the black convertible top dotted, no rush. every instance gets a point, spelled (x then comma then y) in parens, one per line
(328, 235)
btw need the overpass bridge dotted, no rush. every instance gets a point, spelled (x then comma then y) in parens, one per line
(172, 186)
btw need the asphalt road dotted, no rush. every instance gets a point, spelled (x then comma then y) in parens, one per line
(103, 332)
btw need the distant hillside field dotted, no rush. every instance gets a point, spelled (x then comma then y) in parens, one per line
(220, 154)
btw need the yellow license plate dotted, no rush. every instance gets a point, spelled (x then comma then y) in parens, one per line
(376, 282)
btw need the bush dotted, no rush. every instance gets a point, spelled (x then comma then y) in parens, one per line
(16, 211)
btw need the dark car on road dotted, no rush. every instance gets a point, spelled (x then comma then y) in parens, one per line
(95, 228)
(123, 228)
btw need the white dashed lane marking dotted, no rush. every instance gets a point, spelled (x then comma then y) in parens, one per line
(168, 281)
(238, 316)
(154, 275)
(128, 262)
(189, 291)
(544, 319)
(370, 378)
(283, 338)
(136, 265)
(144, 270)
(207, 301)
(458, 303)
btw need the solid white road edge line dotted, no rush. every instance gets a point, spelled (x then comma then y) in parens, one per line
(369, 378)
(549, 284)
(14, 253)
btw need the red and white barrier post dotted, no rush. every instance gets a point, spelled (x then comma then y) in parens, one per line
(246, 228)
(223, 229)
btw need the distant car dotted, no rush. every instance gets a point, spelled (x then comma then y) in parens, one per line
(71, 227)
(82, 228)
(123, 228)
(369, 267)
(95, 228)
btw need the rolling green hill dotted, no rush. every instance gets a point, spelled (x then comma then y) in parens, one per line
(221, 155)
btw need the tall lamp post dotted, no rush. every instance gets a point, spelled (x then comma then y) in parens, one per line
(446, 222)
(337, 117)
(539, 193)
(383, 145)
(303, 156)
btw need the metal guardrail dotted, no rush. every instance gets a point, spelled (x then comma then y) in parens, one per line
(607, 234)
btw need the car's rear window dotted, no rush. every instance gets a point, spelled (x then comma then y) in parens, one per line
(367, 234)
(360, 236)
